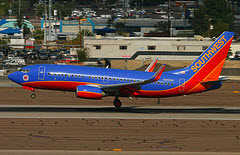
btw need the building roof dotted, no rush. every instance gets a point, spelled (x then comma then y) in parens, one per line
(10, 31)
(143, 22)
(11, 23)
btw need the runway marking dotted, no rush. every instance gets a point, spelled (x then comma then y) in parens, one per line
(126, 118)
(237, 92)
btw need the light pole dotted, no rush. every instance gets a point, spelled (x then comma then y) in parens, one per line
(19, 7)
(45, 23)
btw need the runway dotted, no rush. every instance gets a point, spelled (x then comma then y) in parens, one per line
(58, 122)
(127, 112)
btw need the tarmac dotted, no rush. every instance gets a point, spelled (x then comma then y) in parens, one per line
(59, 123)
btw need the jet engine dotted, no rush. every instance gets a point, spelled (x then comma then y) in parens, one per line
(89, 92)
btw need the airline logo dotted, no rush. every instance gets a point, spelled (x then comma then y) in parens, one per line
(209, 54)
(25, 77)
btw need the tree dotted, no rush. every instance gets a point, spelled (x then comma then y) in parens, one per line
(38, 34)
(22, 25)
(4, 6)
(4, 42)
(215, 13)
(110, 22)
(83, 54)
(120, 27)
(161, 26)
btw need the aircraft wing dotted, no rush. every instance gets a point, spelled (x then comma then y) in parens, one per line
(129, 88)
(151, 66)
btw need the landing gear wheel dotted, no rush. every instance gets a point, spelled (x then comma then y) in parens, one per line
(33, 96)
(117, 103)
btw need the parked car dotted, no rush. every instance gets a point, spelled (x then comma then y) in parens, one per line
(53, 56)
(15, 63)
(43, 56)
(33, 56)
(67, 59)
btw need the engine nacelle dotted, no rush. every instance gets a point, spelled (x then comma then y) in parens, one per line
(89, 92)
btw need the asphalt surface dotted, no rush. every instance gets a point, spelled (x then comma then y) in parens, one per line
(205, 123)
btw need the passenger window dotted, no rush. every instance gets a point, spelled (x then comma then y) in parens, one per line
(113, 79)
(82, 76)
(120, 79)
(48, 73)
(165, 83)
(172, 84)
(168, 84)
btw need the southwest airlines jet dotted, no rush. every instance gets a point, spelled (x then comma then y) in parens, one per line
(96, 83)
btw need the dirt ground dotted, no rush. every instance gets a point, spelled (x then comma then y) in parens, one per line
(127, 135)
(227, 96)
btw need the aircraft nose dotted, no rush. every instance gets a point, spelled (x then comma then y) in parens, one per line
(12, 77)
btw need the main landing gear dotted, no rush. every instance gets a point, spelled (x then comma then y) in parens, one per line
(117, 103)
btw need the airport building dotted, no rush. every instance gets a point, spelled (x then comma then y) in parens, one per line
(148, 48)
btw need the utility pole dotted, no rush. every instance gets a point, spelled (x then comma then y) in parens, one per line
(45, 23)
(50, 16)
(169, 16)
(80, 33)
(19, 7)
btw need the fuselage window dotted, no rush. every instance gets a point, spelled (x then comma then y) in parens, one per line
(99, 78)
(95, 77)
(89, 77)
(59, 74)
(79, 76)
(110, 78)
(92, 77)
(168, 84)
(124, 80)
(82, 76)
(134, 80)
(161, 83)
(48, 73)
(113, 79)
(165, 83)
(158, 82)
(55, 74)
(120, 79)
(127, 80)
(117, 79)
(172, 84)
(102, 78)
(76, 76)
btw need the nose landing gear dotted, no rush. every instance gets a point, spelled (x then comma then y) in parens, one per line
(117, 103)
(33, 95)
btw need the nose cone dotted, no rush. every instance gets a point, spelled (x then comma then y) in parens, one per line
(13, 77)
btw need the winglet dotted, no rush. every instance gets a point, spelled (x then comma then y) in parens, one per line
(158, 74)
(152, 65)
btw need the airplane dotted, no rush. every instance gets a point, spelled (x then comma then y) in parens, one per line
(96, 83)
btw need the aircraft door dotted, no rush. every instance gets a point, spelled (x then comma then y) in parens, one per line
(181, 85)
(105, 80)
(41, 73)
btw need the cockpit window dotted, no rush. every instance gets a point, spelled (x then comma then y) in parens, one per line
(24, 70)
